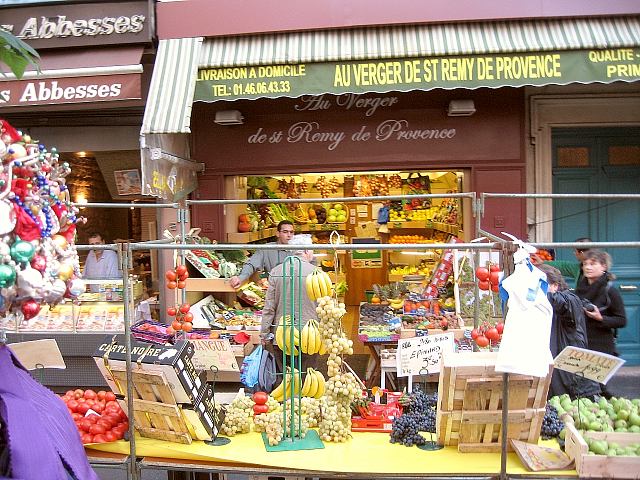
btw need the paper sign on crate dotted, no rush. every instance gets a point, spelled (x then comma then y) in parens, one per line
(214, 353)
(596, 366)
(422, 355)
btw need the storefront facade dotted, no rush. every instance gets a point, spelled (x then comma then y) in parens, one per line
(376, 99)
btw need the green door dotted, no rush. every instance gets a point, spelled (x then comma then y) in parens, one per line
(607, 161)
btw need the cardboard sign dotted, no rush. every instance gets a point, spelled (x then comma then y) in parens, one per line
(537, 458)
(39, 354)
(596, 366)
(214, 353)
(422, 355)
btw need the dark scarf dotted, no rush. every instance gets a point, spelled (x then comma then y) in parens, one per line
(596, 292)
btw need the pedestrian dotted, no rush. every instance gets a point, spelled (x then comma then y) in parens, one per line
(275, 305)
(568, 328)
(569, 268)
(604, 308)
(100, 264)
(266, 260)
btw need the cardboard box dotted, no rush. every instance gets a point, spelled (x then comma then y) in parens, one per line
(204, 416)
(172, 360)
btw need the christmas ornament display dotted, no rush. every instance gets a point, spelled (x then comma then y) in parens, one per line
(38, 259)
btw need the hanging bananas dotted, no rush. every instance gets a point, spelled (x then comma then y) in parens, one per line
(283, 337)
(314, 384)
(310, 338)
(279, 392)
(318, 285)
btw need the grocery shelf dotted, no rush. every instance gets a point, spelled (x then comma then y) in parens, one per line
(209, 285)
(409, 224)
(249, 237)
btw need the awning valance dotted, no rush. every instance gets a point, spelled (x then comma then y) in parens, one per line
(301, 63)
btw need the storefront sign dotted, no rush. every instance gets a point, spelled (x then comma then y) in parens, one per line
(214, 353)
(366, 258)
(50, 91)
(348, 101)
(84, 25)
(596, 366)
(420, 73)
(422, 355)
(167, 177)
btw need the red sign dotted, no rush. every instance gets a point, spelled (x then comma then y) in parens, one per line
(47, 91)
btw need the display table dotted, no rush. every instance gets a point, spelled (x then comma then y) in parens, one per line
(367, 454)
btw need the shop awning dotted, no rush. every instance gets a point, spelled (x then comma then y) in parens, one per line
(382, 59)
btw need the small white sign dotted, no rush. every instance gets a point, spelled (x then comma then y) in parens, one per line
(422, 355)
(596, 366)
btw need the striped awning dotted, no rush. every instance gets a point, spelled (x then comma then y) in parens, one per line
(172, 87)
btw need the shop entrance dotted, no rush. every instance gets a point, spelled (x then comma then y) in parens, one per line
(607, 161)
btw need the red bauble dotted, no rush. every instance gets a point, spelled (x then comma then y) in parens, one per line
(30, 309)
(39, 263)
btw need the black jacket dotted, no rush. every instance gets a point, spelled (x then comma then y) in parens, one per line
(568, 328)
(606, 297)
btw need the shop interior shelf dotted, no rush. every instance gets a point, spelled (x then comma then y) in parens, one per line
(408, 225)
(249, 237)
(209, 285)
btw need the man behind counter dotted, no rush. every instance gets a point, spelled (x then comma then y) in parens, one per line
(100, 264)
(266, 260)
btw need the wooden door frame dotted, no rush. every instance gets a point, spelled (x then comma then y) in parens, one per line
(548, 111)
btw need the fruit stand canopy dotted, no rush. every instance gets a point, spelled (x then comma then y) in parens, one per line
(384, 59)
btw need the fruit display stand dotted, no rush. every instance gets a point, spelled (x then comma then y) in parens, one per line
(589, 465)
(470, 403)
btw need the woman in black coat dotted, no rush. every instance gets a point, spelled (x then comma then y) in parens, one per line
(568, 328)
(608, 314)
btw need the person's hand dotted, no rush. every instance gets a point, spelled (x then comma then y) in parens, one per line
(536, 259)
(235, 281)
(594, 314)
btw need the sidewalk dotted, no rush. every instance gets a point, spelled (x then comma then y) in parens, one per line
(626, 382)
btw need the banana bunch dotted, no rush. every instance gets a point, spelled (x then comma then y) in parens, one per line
(314, 384)
(310, 338)
(283, 337)
(279, 393)
(300, 215)
(318, 285)
(396, 303)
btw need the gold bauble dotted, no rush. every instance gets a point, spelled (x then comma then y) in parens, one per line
(60, 241)
(65, 272)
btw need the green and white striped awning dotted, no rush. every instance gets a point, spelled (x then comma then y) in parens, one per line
(178, 61)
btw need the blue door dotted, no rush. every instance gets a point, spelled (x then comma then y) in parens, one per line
(602, 160)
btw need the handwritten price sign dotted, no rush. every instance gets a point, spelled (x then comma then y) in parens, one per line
(596, 366)
(422, 355)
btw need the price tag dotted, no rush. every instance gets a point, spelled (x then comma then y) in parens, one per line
(596, 366)
(422, 355)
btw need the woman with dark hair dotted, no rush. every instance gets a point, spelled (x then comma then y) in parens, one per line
(607, 313)
(568, 328)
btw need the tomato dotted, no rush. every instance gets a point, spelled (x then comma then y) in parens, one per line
(112, 418)
(500, 327)
(110, 437)
(475, 333)
(119, 432)
(182, 284)
(90, 394)
(171, 311)
(125, 425)
(101, 394)
(93, 418)
(110, 397)
(188, 317)
(184, 308)
(181, 270)
(97, 429)
(187, 327)
(83, 408)
(99, 439)
(171, 275)
(78, 393)
(106, 424)
(494, 278)
(72, 405)
(482, 341)
(85, 425)
(260, 398)
(258, 409)
(495, 287)
(98, 408)
(87, 438)
(176, 325)
(494, 268)
(69, 393)
(483, 285)
(172, 285)
(492, 334)
(482, 274)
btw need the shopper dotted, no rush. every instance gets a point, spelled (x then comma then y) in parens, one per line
(266, 260)
(569, 268)
(568, 328)
(100, 264)
(275, 305)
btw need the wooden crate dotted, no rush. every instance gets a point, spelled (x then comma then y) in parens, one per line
(601, 466)
(156, 414)
(470, 403)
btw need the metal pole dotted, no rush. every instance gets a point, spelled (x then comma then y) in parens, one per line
(127, 293)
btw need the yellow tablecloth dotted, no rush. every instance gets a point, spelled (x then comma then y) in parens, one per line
(364, 453)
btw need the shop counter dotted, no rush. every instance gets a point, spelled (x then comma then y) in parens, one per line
(367, 455)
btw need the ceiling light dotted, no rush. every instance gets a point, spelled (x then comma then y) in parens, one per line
(461, 108)
(229, 117)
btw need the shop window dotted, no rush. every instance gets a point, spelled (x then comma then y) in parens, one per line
(624, 155)
(573, 157)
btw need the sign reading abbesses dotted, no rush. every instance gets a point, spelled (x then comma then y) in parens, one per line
(422, 73)
(422, 355)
